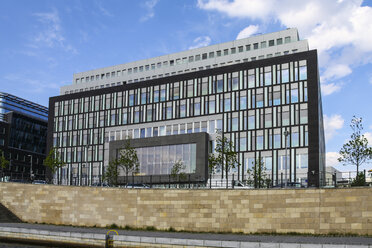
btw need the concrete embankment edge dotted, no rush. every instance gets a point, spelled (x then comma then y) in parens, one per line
(98, 240)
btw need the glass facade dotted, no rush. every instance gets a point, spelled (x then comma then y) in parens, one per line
(253, 107)
(24, 139)
(26, 134)
(159, 160)
(10, 103)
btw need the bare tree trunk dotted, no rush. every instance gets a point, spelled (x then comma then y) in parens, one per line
(227, 175)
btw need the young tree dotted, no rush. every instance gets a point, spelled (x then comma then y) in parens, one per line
(226, 156)
(177, 171)
(111, 173)
(356, 150)
(53, 161)
(3, 162)
(128, 159)
(257, 176)
(213, 164)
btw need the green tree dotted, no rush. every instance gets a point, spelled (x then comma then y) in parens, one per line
(257, 176)
(177, 171)
(356, 150)
(53, 161)
(111, 173)
(226, 157)
(3, 162)
(128, 159)
(359, 180)
(213, 164)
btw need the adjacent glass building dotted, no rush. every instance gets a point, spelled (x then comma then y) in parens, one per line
(262, 93)
(23, 135)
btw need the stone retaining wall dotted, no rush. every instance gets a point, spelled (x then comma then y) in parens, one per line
(317, 211)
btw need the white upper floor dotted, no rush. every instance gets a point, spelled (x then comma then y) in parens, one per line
(238, 51)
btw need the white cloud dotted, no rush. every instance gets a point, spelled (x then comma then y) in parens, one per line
(247, 32)
(335, 72)
(103, 10)
(331, 158)
(32, 85)
(370, 127)
(201, 41)
(150, 13)
(50, 34)
(368, 135)
(240, 8)
(341, 31)
(331, 125)
(330, 88)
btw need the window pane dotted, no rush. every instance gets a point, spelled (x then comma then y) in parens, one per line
(183, 110)
(259, 142)
(243, 144)
(295, 138)
(234, 124)
(303, 72)
(197, 108)
(235, 83)
(227, 104)
(219, 86)
(212, 107)
(294, 95)
(156, 96)
(162, 95)
(243, 102)
(268, 78)
(211, 127)
(285, 75)
(277, 140)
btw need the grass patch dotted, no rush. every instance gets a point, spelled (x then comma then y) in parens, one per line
(172, 229)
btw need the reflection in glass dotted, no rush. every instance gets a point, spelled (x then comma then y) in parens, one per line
(159, 160)
(285, 75)
(303, 73)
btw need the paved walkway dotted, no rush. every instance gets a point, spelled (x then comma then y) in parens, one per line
(276, 239)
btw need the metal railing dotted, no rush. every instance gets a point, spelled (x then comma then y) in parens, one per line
(326, 179)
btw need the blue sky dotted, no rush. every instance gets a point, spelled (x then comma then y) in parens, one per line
(42, 43)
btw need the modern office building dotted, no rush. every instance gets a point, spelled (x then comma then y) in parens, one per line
(260, 92)
(23, 136)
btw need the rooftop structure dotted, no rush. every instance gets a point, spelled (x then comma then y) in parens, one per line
(214, 56)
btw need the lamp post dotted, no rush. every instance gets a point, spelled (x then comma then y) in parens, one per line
(86, 165)
(30, 166)
(286, 133)
(10, 169)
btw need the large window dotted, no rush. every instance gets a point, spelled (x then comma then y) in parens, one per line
(159, 160)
